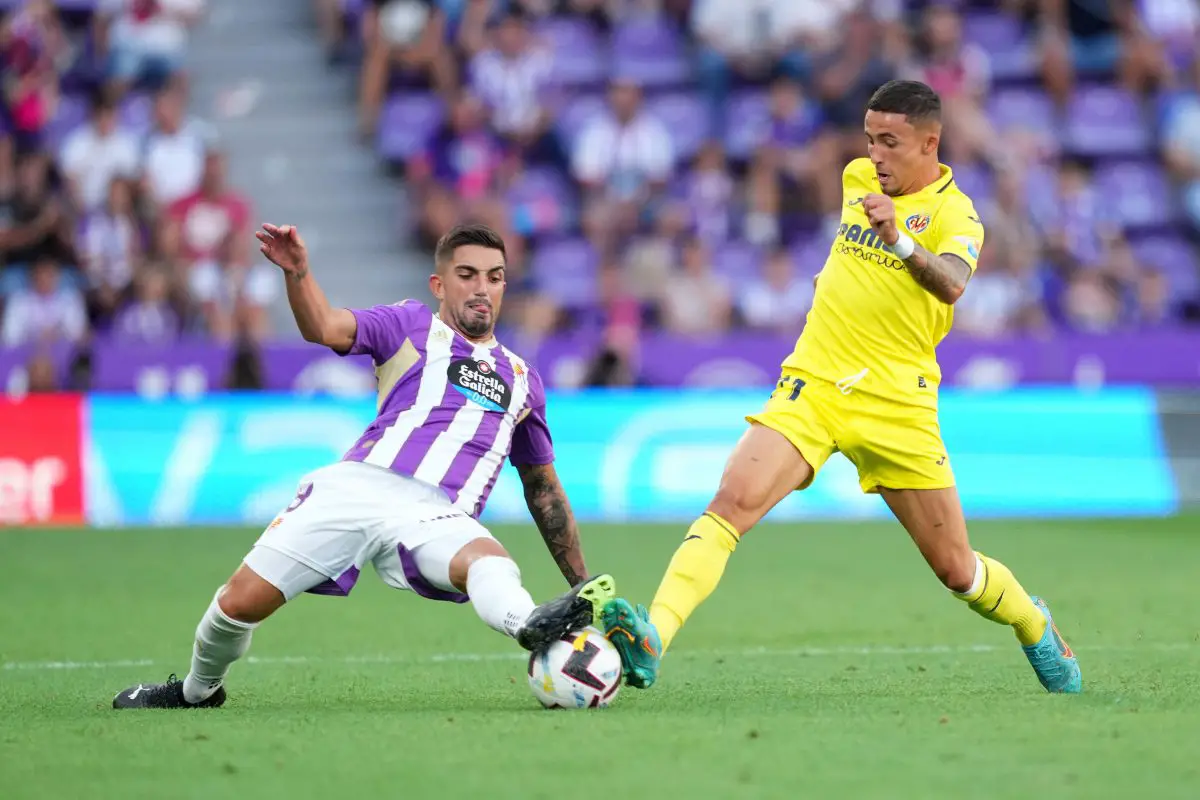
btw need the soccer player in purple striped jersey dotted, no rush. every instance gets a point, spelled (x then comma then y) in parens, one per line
(453, 405)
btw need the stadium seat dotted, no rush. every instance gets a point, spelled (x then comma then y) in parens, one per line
(1138, 192)
(575, 114)
(686, 119)
(1105, 121)
(62, 5)
(565, 269)
(71, 113)
(407, 123)
(738, 261)
(136, 113)
(809, 254)
(1029, 109)
(1175, 257)
(1041, 187)
(579, 56)
(545, 182)
(993, 31)
(748, 119)
(543, 199)
(649, 51)
(1011, 55)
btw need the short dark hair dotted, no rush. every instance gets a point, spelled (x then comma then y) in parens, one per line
(513, 13)
(461, 235)
(913, 99)
(103, 99)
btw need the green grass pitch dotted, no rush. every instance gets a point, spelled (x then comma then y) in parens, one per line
(829, 664)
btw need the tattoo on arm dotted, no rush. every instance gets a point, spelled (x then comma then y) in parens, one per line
(552, 514)
(945, 276)
(299, 274)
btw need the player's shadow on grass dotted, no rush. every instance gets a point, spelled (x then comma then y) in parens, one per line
(404, 701)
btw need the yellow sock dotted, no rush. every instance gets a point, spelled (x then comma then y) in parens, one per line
(694, 572)
(998, 596)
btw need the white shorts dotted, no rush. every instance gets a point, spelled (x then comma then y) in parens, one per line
(348, 514)
(209, 282)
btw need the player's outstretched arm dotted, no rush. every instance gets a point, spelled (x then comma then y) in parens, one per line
(552, 514)
(317, 320)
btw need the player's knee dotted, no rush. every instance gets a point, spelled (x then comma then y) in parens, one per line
(955, 570)
(248, 597)
(239, 605)
(738, 501)
(472, 551)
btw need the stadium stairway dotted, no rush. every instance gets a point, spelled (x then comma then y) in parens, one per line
(287, 123)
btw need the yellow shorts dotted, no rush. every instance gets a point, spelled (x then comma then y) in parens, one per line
(893, 445)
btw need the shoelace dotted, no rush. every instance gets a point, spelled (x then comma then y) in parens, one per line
(166, 690)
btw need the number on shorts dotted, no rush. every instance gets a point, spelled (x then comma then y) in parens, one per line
(796, 384)
(301, 495)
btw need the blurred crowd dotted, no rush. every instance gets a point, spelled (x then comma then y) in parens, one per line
(675, 164)
(116, 217)
(653, 164)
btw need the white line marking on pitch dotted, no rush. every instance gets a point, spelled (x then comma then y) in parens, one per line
(753, 652)
(50, 665)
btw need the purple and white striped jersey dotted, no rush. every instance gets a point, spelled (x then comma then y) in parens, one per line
(449, 410)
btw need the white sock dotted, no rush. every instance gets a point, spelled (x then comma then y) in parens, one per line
(220, 641)
(494, 586)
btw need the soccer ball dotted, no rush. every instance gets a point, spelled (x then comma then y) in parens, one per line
(583, 670)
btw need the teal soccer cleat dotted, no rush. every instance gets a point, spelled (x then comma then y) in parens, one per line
(636, 640)
(1052, 658)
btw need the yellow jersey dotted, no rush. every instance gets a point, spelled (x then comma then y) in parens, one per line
(872, 326)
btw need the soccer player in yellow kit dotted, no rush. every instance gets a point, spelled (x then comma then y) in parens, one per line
(863, 380)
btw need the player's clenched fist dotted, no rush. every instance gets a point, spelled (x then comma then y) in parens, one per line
(282, 245)
(881, 212)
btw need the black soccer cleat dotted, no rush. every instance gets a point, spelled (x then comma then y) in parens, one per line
(164, 695)
(572, 611)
